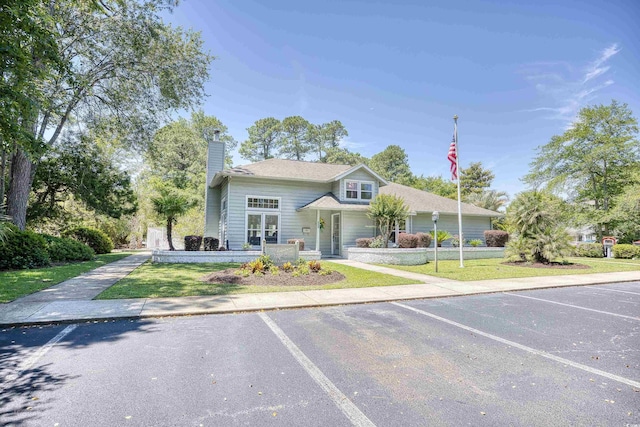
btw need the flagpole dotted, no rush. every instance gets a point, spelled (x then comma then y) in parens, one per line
(460, 236)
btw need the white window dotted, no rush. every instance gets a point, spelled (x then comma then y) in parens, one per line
(262, 222)
(358, 190)
(263, 203)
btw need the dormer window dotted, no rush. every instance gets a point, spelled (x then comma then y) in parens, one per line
(358, 190)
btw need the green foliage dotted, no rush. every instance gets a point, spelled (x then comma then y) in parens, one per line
(378, 242)
(436, 185)
(314, 266)
(442, 236)
(342, 156)
(535, 218)
(62, 249)
(496, 238)
(592, 162)
(392, 164)
(488, 199)
(475, 179)
(170, 204)
(264, 140)
(625, 215)
(475, 243)
(78, 168)
(297, 138)
(386, 210)
(288, 267)
(626, 251)
(590, 250)
(327, 136)
(23, 249)
(95, 239)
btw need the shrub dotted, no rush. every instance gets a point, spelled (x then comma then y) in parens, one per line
(266, 261)
(192, 243)
(377, 242)
(364, 242)
(23, 249)
(406, 240)
(625, 251)
(274, 270)
(314, 266)
(591, 250)
(95, 239)
(287, 266)
(211, 243)
(300, 243)
(455, 241)
(62, 249)
(475, 242)
(303, 270)
(255, 266)
(496, 238)
(424, 240)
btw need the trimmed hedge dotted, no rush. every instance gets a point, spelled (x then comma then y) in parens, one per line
(625, 251)
(62, 249)
(211, 243)
(424, 240)
(406, 240)
(300, 243)
(364, 242)
(23, 249)
(591, 250)
(496, 238)
(95, 239)
(192, 243)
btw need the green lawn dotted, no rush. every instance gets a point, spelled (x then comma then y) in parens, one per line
(181, 280)
(484, 269)
(17, 283)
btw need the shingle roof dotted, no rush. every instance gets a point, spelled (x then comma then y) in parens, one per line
(289, 169)
(329, 202)
(421, 201)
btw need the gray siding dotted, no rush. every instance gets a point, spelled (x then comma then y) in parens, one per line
(337, 189)
(293, 195)
(473, 227)
(359, 175)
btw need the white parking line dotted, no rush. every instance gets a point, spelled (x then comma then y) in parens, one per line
(352, 412)
(617, 290)
(568, 362)
(31, 360)
(573, 306)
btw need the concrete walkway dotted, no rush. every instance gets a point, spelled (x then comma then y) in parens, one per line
(69, 303)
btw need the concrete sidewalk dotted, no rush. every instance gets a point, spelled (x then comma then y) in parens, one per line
(61, 309)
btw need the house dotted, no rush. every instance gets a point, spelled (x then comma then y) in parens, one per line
(324, 204)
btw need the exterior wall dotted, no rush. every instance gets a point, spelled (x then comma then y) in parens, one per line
(473, 227)
(359, 175)
(215, 163)
(354, 226)
(293, 195)
(419, 255)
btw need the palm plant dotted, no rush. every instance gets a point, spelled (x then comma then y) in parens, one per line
(386, 210)
(169, 205)
(441, 237)
(488, 199)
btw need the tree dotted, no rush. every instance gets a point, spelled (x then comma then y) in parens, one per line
(591, 162)
(535, 220)
(436, 185)
(78, 168)
(327, 136)
(342, 156)
(205, 126)
(625, 215)
(296, 138)
(392, 164)
(475, 179)
(488, 199)
(264, 140)
(386, 210)
(124, 71)
(170, 204)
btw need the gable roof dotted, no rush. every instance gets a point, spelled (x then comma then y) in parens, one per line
(293, 170)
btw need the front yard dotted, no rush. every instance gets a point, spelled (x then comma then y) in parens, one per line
(486, 269)
(180, 280)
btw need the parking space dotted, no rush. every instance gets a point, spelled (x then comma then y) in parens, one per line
(566, 356)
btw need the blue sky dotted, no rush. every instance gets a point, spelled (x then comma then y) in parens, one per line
(515, 72)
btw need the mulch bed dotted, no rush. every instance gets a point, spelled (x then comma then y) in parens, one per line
(228, 276)
(555, 265)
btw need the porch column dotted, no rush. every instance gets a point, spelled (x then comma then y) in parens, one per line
(318, 230)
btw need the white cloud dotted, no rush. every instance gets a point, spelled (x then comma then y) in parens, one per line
(565, 90)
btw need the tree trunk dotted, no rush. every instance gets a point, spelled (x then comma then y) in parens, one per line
(22, 174)
(3, 176)
(169, 230)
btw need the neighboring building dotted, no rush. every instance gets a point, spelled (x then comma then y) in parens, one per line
(279, 199)
(582, 235)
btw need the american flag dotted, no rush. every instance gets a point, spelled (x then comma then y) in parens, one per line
(453, 155)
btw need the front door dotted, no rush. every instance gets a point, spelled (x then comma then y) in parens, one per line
(335, 234)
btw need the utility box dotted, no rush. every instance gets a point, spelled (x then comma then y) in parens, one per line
(607, 243)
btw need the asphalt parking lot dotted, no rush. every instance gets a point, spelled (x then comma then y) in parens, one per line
(568, 356)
